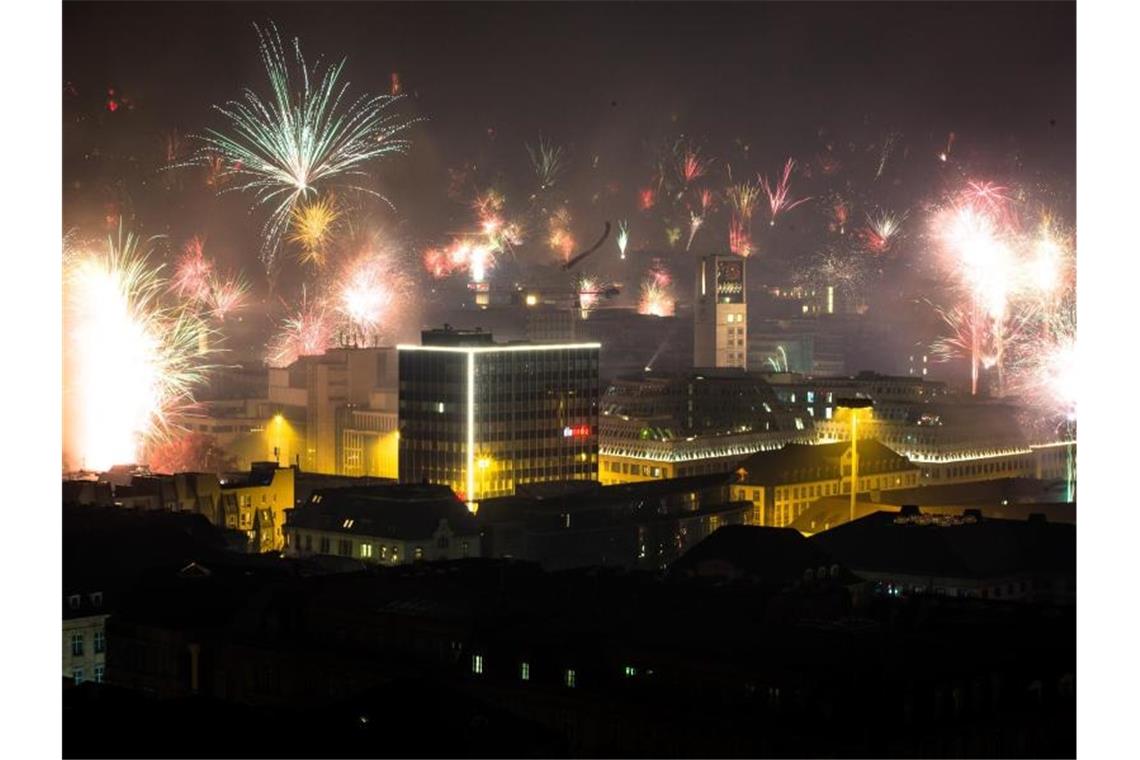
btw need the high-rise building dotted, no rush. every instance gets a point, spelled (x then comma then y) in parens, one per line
(485, 417)
(720, 323)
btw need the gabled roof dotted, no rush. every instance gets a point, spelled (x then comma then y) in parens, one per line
(801, 462)
(408, 512)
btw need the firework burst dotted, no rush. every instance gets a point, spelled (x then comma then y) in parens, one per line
(192, 272)
(309, 331)
(226, 296)
(881, 230)
(313, 227)
(366, 293)
(130, 359)
(306, 135)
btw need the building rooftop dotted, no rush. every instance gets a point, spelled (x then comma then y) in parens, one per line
(915, 542)
(408, 511)
(778, 556)
(798, 462)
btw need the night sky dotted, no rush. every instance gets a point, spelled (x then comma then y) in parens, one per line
(613, 83)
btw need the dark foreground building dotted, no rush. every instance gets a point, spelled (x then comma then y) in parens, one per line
(583, 663)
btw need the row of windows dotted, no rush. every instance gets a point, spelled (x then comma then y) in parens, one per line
(78, 640)
(370, 550)
(649, 471)
(569, 676)
(78, 675)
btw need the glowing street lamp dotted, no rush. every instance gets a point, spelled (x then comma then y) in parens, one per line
(854, 406)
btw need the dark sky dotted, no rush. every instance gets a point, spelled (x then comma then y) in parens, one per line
(607, 80)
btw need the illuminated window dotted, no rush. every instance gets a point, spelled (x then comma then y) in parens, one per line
(477, 664)
(571, 678)
(366, 551)
(827, 412)
(419, 553)
(811, 397)
(524, 671)
(630, 671)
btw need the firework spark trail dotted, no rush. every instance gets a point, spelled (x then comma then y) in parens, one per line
(306, 135)
(313, 227)
(546, 159)
(690, 165)
(192, 272)
(944, 156)
(840, 212)
(561, 239)
(646, 198)
(779, 361)
(743, 199)
(623, 237)
(778, 200)
(706, 198)
(309, 331)
(885, 149)
(657, 294)
(739, 239)
(695, 222)
(130, 359)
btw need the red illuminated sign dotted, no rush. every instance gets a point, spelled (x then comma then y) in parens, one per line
(576, 431)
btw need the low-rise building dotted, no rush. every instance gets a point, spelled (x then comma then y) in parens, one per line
(642, 525)
(916, 552)
(387, 524)
(782, 484)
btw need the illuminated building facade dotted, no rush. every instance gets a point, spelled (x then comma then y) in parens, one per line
(782, 484)
(720, 322)
(485, 417)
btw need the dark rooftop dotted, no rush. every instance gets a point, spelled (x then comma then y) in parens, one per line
(797, 462)
(407, 511)
(960, 547)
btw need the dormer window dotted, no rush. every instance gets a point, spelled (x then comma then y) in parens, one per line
(97, 599)
(73, 601)
(348, 523)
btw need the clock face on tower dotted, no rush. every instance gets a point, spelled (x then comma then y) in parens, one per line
(730, 281)
(730, 271)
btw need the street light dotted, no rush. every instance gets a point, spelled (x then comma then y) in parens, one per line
(854, 405)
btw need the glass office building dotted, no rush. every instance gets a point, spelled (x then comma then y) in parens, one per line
(485, 417)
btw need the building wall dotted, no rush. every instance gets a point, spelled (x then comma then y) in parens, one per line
(87, 660)
(443, 545)
(277, 496)
(483, 421)
(780, 504)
